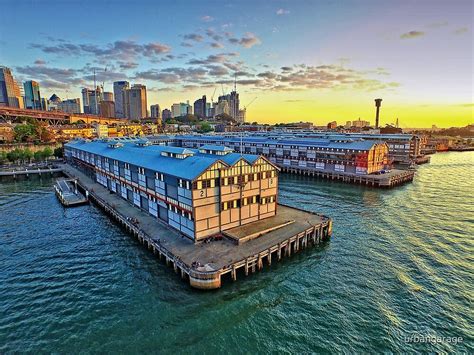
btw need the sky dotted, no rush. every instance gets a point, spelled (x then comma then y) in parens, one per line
(308, 60)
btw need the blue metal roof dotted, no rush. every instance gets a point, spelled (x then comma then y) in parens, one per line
(216, 148)
(150, 157)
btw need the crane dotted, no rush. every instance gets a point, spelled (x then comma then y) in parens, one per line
(251, 101)
(212, 97)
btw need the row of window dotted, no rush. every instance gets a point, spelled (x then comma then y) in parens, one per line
(233, 180)
(247, 201)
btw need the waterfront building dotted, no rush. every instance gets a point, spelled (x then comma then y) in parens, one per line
(135, 102)
(32, 95)
(10, 92)
(351, 157)
(119, 87)
(200, 192)
(155, 111)
(200, 107)
(107, 108)
(69, 106)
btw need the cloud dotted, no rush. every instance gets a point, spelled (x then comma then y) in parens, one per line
(281, 12)
(461, 30)
(39, 62)
(438, 24)
(213, 58)
(207, 18)
(121, 50)
(248, 40)
(127, 65)
(217, 45)
(412, 34)
(212, 34)
(193, 37)
(217, 70)
(51, 78)
(186, 44)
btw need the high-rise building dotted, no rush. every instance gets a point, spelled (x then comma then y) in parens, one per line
(10, 92)
(208, 109)
(45, 104)
(233, 101)
(91, 100)
(119, 86)
(155, 111)
(53, 102)
(175, 110)
(107, 108)
(222, 107)
(332, 125)
(32, 95)
(135, 102)
(200, 107)
(166, 114)
(69, 106)
(108, 96)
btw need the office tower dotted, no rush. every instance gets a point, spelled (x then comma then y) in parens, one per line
(233, 101)
(107, 108)
(155, 111)
(208, 109)
(108, 96)
(85, 100)
(135, 102)
(53, 103)
(119, 86)
(32, 95)
(10, 92)
(69, 106)
(44, 104)
(222, 107)
(200, 107)
(175, 110)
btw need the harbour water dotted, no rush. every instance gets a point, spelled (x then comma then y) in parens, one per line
(398, 268)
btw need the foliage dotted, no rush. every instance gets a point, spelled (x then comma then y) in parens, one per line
(32, 131)
(58, 152)
(205, 127)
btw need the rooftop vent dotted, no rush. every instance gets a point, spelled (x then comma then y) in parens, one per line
(115, 145)
(143, 143)
(214, 149)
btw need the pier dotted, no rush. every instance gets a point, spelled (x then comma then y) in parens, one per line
(23, 173)
(68, 194)
(389, 179)
(204, 264)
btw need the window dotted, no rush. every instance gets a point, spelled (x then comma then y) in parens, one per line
(245, 201)
(199, 185)
(225, 206)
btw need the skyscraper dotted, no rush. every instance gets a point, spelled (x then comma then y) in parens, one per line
(119, 86)
(91, 100)
(10, 93)
(135, 102)
(234, 102)
(200, 107)
(155, 111)
(108, 96)
(32, 95)
(70, 106)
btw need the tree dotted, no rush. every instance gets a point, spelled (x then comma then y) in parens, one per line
(58, 152)
(38, 155)
(47, 152)
(205, 127)
(24, 132)
(3, 157)
(13, 155)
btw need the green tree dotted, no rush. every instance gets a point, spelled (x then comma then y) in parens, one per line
(3, 157)
(38, 155)
(58, 152)
(205, 127)
(24, 132)
(13, 155)
(47, 152)
(27, 154)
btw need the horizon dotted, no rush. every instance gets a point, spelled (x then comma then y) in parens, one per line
(313, 62)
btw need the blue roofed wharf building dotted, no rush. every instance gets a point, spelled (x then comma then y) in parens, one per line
(361, 161)
(200, 192)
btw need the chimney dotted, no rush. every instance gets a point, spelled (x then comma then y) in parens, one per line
(378, 103)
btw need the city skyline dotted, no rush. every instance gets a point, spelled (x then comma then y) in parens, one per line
(305, 61)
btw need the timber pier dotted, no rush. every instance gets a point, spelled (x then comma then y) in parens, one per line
(204, 264)
(388, 179)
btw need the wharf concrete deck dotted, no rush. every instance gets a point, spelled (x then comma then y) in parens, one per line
(204, 263)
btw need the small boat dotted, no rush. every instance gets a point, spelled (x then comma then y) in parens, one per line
(68, 193)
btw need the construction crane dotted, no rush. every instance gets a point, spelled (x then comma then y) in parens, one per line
(245, 107)
(212, 97)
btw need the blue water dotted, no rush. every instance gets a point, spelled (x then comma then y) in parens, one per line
(400, 263)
